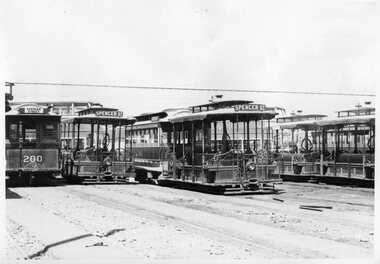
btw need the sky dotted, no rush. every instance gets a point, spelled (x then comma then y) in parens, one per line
(282, 45)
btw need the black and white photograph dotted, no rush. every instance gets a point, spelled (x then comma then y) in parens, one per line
(196, 131)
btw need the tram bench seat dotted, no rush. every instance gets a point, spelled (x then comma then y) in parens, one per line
(286, 157)
(350, 158)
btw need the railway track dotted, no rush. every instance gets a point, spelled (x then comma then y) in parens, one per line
(264, 250)
(172, 208)
(272, 240)
(171, 197)
(191, 227)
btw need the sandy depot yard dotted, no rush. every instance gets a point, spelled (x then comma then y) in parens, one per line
(114, 222)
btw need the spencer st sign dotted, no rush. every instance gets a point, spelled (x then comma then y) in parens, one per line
(109, 113)
(249, 107)
(32, 110)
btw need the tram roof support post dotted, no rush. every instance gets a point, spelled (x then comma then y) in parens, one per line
(306, 140)
(73, 136)
(268, 136)
(78, 134)
(215, 138)
(125, 140)
(97, 134)
(193, 150)
(323, 145)
(356, 139)
(183, 140)
(248, 139)
(276, 140)
(130, 142)
(113, 136)
(293, 149)
(203, 136)
(256, 138)
(349, 150)
(119, 141)
(262, 132)
(335, 148)
(92, 134)
(174, 152)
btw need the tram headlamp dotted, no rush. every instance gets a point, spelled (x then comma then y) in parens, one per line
(107, 162)
(250, 166)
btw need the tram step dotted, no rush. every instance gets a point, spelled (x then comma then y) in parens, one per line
(118, 181)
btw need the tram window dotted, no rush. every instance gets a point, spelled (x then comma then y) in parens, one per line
(186, 137)
(155, 136)
(198, 135)
(30, 135)
(134, 137)
(81, 143)
(146, 138)
(12, 135)
(49, 132)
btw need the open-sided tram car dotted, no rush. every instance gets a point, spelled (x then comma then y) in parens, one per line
(104, 157)
(340, 150)
(221, 147)
(32, 143)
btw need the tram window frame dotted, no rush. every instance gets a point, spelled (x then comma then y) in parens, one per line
(32, 132)
(49, 135)
(12, 134)
(155, 135)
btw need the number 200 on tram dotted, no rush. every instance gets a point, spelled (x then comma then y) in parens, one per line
(32, 143)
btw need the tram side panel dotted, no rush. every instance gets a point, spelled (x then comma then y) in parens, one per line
(150, 151)
(32, 159)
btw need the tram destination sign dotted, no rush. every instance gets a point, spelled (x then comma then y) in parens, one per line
(109, 113)
(249, 107)
(32, 110)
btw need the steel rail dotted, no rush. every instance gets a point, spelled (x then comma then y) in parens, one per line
(144, 213)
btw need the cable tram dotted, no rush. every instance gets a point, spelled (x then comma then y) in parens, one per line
(221, 147)
(341, 150)
(351, 149)
(104, 157)
(149, 137)
(300, 146)
(32, 143)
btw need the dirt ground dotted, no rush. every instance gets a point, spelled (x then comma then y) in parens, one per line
(147, 222)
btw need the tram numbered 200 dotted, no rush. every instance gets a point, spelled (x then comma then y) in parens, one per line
(103, 157)
(32, 143)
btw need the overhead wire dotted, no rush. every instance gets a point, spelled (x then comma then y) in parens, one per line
(191, 89)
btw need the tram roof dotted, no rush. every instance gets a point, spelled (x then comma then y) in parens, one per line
(31, 109)
(225, 114)
(328, 123)
(309, 124)
(368, 120)
(299, 117)
(102, 119)
(220, 104)
(102, 115)
(162, 116)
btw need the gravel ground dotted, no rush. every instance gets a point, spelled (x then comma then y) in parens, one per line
(152, 222)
